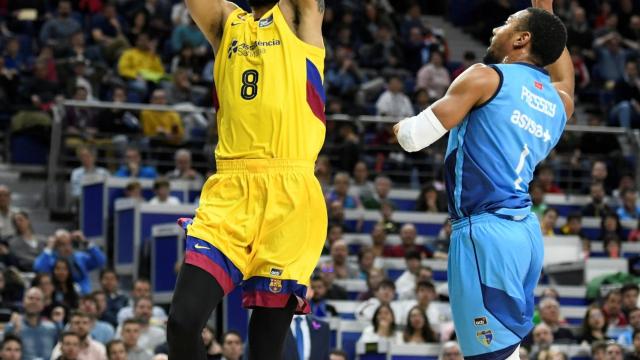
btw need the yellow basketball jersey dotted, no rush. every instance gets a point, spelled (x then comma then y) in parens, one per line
(269, 90)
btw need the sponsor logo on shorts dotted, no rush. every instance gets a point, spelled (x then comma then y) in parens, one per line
(266, 22)
(480, 321)
(276, 272)
(485, 337)
(275, 286)
(202, 247)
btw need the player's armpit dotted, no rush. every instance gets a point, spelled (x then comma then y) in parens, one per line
(305, 19)
(472, 88)
(210, 16)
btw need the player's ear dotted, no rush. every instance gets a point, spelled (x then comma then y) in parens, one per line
(522, 39)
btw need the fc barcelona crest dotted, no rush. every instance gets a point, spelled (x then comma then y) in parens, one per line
(485, 337)
(275, 286)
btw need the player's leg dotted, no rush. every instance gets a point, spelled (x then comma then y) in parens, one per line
(274, 322)
(196, 294)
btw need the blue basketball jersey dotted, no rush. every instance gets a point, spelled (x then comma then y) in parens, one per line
(493, 153)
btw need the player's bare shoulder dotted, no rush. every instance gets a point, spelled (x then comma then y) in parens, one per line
(305, 19)
(211, 16)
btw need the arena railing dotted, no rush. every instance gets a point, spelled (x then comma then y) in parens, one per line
(58, 172)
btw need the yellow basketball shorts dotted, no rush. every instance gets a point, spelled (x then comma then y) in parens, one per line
(261, 224)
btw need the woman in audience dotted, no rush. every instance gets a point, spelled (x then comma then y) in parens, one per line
(430, 201)
(25, 245)
(45, 283)
(383, 327)
(548, 222)
(65, 292)
(594, 326)
(418, 330)
(610, 227)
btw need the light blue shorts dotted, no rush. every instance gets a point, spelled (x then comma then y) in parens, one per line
(494, 267)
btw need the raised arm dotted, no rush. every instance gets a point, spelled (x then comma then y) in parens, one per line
(561, 71)
(305, 18)
(472, 88)
(210, 16)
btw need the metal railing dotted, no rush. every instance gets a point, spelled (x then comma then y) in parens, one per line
(57, 197)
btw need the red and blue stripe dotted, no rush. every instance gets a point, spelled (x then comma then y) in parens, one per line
(211, 260)
(257, 293)
(316, 96)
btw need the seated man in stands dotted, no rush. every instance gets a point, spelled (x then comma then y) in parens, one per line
(80, 324)
(162, 189)
(384, 295)
(116, 300)
(408, 236)
(318, 301)
(141, 64)
(133, 166)
(163, 127)
(184, 169)
(542, 339)
(342, 269)
(130, 333)
(152, 333)
(11, 348)
(141, 288)
(550, 315)
(232, 346)
(597, 207)
(612, 310)
(101, 331)
(89, 257)
(406, 283)
(87, 157)
(450, 351)
(629, 294)
(382, 185)
(627, 338)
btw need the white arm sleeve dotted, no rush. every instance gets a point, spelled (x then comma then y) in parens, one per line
(420, 131)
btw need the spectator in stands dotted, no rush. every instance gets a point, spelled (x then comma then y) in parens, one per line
(626, 338)
(344, 76)
(116, 350)
(141, 288)
(116, 300)
(162, 189)
(133, 166)
(232, 346)
(88, 258)
(360, 184)
(378, 239)
(11, 348)
(184, 169)
(386, 210)
(594, 326)
(338, 355)
(426, 299)
(101, 331)
(418, 330)
(366, 261)
(600, 174)
(614, 351)
(383, 327)
(70, 346)
(181, 91)
(6, 212)
(550, 315)
(626, 112)
(524, 353)
(450, 351)
(376, 275)
(25, 245)
(348, 148)
(163, 127)
(382, 186)
(440, 246)
(57, 31)
(64, 290)
(629, 209)
(141, 64)
(133, 191)
(635, 346)
(468, 59)
(89, 349)
(87, 157)
(546, 179)
(574, 226)
(119, 125)
(37, 334)
(611, 228)
(611, 56)
(130, 333)
(597, 207)
(538, 206)
(434, 77)
(599, 350)
(107, 31)
(629, 294)
(626, 182)
(44, 282)
(323, 172)
(542, 339)
(318, 302)
(339, 262)
(408, 237)
(612, 310)
(548, 223)
(340, 192)
(384, 295)
(151, 335)
(406, 283)
(394, 102)
(634, 235)
(334, 233)
(188, 34)
(430, 201)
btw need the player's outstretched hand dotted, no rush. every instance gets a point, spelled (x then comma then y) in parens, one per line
(543, 4)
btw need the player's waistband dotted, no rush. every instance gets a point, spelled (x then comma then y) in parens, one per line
(484, 217)
(263, 166)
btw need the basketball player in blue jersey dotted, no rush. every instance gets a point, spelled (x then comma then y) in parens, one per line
(504, 119)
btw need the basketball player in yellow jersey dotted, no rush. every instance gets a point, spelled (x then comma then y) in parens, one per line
(262, 220)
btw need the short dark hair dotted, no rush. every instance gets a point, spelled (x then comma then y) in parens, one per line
(231, 332)
(111, 343)
(130, 321)
(9, 338)
(337, 352)
(67, 334)
(387, 283)
(78, 313)
(108, 271)
(574, 216)
(412, 255)
(548, 35)
(548, 210)
(425, 284)
(629, 287)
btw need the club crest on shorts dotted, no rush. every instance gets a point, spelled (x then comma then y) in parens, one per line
(275, 286)
(485, 337)
(275, 272)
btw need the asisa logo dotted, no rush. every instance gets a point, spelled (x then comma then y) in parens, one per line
(528, 124)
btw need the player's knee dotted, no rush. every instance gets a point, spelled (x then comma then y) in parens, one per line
(182, 325)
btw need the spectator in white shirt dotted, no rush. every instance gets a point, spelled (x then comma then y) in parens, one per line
(151, 334)
(406, 283)
(141, 288)
(162, 189)
(384, 295)
(394, 102)
(434, 77)
(87, 157)
(383, 327)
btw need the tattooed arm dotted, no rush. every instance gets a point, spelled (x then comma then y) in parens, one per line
(305, 18)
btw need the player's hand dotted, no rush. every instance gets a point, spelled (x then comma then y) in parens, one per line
(543, 4)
